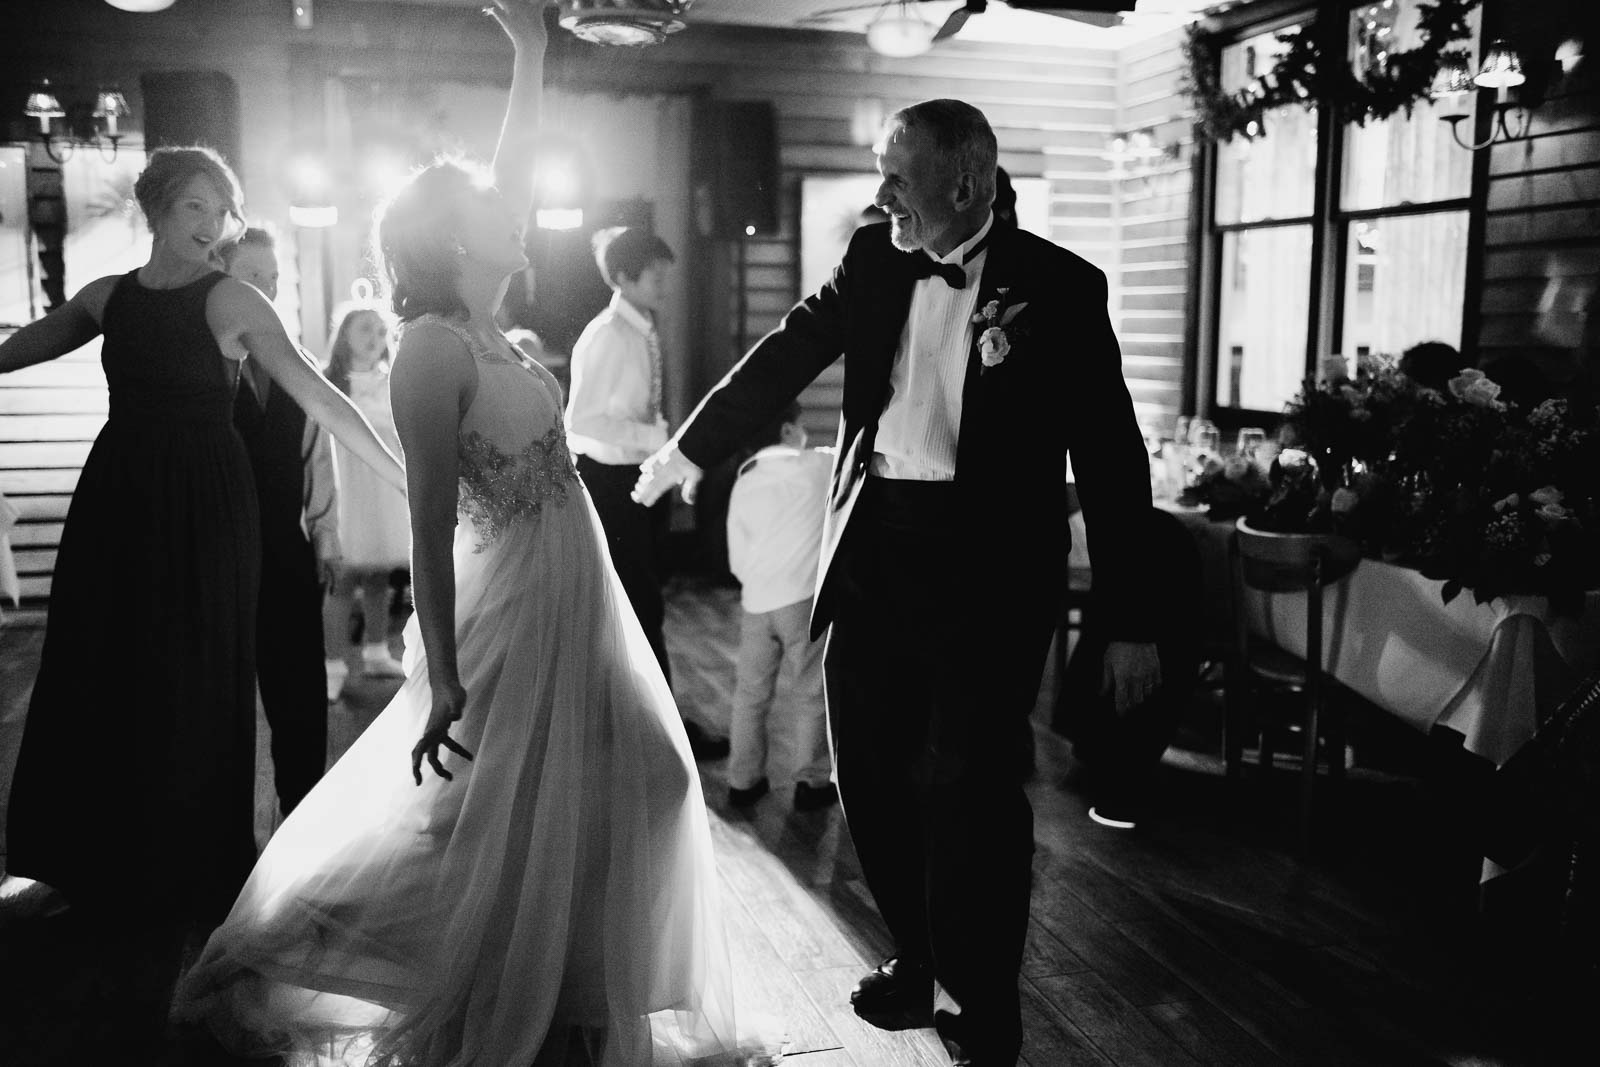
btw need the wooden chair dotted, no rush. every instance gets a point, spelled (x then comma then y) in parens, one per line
(1286, 563)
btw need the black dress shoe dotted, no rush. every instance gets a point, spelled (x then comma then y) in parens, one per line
(808, 797)
(743, 798)
(897, 986)
(703, 744)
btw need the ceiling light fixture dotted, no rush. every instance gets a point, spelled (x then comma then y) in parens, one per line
(632, 23)
(898, 33)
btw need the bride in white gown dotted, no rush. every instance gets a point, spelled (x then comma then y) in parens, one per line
(552, 898)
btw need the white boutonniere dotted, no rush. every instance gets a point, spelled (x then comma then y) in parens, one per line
(998, 335)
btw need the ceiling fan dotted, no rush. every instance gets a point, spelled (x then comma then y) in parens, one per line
(1094, 12)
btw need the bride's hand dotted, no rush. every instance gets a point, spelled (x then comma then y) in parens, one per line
(523, 21)
(449, 701)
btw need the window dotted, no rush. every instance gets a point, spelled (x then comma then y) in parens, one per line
(1395, 220)
(1265, 191)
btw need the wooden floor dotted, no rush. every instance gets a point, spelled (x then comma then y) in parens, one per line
(1199, 939)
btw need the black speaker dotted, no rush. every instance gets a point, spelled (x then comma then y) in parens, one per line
(738, 185)
(184, 107)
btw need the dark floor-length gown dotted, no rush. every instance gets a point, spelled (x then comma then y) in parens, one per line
(135, 781)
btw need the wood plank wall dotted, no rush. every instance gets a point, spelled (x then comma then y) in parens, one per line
(49, 415)
(1541, 232)
(1150, 282)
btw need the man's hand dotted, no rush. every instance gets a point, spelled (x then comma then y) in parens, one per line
(1131, 674)
(661, 472)
(328, 572)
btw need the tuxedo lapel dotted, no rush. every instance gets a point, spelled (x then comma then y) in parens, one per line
(999, 272)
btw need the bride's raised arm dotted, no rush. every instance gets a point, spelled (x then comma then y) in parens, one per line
(523, 21)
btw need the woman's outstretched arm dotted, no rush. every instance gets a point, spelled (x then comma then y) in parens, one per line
(237, 311)
(432, 383)
(67, 328)
(523, 21)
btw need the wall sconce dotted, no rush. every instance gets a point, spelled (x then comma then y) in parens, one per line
(311, 203)
(560, 180)
(43, 108)
(1501, 70)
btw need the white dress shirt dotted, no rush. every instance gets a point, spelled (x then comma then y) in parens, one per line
(775, 525)
(921, 422)
(611, 416)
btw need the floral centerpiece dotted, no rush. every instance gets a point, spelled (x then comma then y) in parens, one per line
(1227, 488)
(1459, 484)
(1335, 474)
(1502, 502)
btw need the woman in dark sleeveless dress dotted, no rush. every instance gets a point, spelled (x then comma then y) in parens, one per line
(134, 787)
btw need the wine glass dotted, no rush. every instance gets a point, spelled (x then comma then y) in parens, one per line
(1251, 438)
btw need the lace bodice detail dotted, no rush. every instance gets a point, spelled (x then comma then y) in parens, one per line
(498, 488)
(512, 448)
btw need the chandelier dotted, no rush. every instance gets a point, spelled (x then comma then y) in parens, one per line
(623, 22)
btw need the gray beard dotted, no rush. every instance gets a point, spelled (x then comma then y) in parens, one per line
(901, 238)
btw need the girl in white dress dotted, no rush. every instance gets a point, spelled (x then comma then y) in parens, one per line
(546, 894)
(374, 526)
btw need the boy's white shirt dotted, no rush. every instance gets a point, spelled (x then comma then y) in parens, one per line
(608, 413)
(775, 518)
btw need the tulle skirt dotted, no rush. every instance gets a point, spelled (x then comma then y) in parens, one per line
(560, 890)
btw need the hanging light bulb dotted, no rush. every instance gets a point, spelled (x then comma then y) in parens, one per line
(42, 106)
(140, 6)
(899, 33)
(1502, 68)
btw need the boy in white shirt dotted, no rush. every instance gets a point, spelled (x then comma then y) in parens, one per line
(774, 540)
(614, 422)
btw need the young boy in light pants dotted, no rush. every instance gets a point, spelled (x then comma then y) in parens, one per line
(774, 540)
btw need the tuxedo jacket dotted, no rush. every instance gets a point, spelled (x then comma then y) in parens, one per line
(1059, 389)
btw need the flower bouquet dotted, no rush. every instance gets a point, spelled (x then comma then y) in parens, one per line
(1502, 502)
(1335, 474)
(1227, 488)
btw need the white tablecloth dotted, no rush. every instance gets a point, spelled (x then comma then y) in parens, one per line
(1490, 671)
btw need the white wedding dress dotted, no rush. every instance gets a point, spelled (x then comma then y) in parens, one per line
(557, 901)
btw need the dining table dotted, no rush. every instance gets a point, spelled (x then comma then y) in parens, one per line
(1490, 671)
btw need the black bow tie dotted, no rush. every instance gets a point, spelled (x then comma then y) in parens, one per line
(955, 275)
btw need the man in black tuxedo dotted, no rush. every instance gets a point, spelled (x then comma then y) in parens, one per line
(944, 560)
(293, 467)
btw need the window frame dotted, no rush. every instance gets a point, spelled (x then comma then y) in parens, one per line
(1330, 223)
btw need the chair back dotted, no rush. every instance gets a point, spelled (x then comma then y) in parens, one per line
(1291, 563)
(1287, 563)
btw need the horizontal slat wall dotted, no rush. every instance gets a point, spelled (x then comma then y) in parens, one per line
(1150, 283)
(1541, 233)
(49, 416)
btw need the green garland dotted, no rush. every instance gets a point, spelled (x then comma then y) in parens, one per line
(1301, 76)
